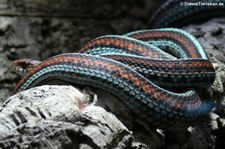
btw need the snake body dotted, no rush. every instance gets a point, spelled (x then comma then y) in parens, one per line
(136, 67)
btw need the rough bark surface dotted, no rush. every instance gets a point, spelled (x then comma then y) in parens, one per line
(59, 117)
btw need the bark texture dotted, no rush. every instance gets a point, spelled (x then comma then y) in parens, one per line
(59, 117)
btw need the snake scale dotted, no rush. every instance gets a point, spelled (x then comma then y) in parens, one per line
(138, 67)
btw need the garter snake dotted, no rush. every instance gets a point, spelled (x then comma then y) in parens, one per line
(137, 67)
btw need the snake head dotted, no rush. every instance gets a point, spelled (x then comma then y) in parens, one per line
(23, 66)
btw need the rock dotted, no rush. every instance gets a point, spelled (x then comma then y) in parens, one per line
(59, 116)
(220, 79)
(5, 24)
(218, 129)
(6, 78)
(100, 9)
(144, 135)
(41, 103)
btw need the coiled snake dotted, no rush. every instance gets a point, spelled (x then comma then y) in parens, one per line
(137, 67)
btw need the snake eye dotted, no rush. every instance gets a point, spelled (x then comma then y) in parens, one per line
(25, 65)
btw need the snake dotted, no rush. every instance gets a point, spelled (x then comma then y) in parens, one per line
(141, 68)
